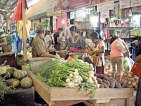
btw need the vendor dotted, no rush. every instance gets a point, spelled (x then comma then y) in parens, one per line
(76, 43)
(38, 44)
(97, 48)
(3, 41)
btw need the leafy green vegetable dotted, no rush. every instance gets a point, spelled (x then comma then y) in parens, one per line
(3, 88)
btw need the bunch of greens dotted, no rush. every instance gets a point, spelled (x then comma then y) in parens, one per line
(3, 88)
(76, 73)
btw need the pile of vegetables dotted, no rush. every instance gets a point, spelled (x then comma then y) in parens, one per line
(130, 79)
(3, 88)
(106, 81)
(12, 78)
(62, 73)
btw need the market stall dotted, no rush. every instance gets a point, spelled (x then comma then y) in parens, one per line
(58, 96)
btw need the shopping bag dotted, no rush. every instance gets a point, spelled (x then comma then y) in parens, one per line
(121, 46)
(136, 69)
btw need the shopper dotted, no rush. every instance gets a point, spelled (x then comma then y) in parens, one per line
(117, 57)
(49, 42)
(62, 40)
(76, 43)
(98, 48)
(56, 35)
(67, 31)
(38, 44)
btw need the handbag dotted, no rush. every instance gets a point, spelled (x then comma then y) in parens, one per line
(136, 69)
(121, 46)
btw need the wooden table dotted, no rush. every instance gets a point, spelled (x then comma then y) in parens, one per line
(61, 96)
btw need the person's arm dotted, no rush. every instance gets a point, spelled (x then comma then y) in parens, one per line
(4, 42)
(101, 49)
(82, 50)
(58, 40)
(48, 55)
(127, 49)
(67, 48)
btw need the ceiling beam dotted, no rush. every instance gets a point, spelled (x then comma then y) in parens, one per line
(35, 7)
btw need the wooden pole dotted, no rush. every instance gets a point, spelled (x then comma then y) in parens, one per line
(6, 22)
(24, 31)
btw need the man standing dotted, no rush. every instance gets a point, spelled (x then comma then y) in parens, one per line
(56, 35)
(38, 44)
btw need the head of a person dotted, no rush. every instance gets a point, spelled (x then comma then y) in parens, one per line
(95, 37)
(74, 31)
(60, 30)
(113, 39)
(40, 31)
(71, 21)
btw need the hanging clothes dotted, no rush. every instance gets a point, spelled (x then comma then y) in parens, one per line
(18, 11)
(20, 28)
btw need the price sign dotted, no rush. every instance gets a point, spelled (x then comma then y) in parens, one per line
(135, 3)
(124, 4)
(105, 6)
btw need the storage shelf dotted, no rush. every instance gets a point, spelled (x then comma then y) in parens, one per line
(126, 39)
(119, 28)
(83, 21)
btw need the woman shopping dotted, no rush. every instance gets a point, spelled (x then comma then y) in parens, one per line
(97, 48)
(76, 43)
(117, 57)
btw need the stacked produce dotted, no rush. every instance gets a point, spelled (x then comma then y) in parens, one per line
(12, 78)
(106, 81)
(62, 73)
(130, 79)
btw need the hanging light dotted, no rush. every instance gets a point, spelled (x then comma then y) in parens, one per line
(130, 13)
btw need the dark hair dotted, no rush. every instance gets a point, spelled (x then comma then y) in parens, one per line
(113, 39)
(40, 29)
(60, 29)
(95, 35)
(75, 29)
(72, 21)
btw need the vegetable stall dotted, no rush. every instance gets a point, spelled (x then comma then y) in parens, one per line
(65, 82)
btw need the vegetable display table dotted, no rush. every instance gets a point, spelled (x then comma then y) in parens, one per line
(63, 96)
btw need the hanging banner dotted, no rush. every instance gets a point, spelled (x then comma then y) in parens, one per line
(135, 3)
(105, 6)
(124, 4)
(69, 5)
(53, 8)
(104, 14)
(95, 2)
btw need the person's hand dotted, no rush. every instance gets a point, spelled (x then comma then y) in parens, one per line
(56, 57)
(52, 50)
(138, 59)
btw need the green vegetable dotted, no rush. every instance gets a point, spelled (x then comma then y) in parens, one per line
(3, 88)
(74, 73)
(26, 82)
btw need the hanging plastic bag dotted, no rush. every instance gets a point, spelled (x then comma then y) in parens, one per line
(127, 64)
(121, 46)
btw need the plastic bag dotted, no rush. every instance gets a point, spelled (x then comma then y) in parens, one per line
(121, 46)
(127, 64)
